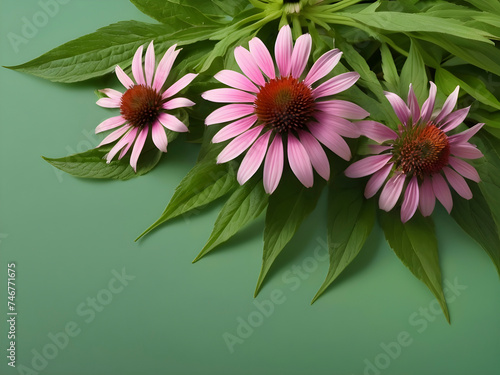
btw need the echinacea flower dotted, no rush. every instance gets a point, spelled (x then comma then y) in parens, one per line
(144, 106)
(420, 159)
(283, 111)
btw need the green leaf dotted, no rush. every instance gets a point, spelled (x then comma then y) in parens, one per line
(289, 205)
(414, 72)
(91, 164)
(245, 204)
(415, 244)
(485, 5)
(389, 69)
(231, 8)
(350, 221)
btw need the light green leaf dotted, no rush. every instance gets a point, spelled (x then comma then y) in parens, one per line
(245, 204)
(350, 221)
(415, 244)
(389, 69)
(486, 5)
(414, 72)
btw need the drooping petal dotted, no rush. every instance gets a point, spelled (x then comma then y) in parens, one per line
(330, 139)
(273, 165)
(340, 125)
(377, 180)
(336, 84)
(458, 183)
(342, 108)
(127, 139)
(236, 80)
(442, 191)
(410, 202)
(228, 113)
(465, 135)
(238, 145)
(465, 150)
(367, 166)
(159, 137)
(283, 50)
(376, 131)
(427, 197)
(109, 103)
(413, 105)
(448, 106)
(114, 135)
(253, 158)
(317, 155)
(149, 64)
(123, 78)
(178, 103)
(464, 168)
(428, 106)
(164, 67)
(179, 85)
(234, 129)
(138, 145)
(113, 94)
(391, 192)
(248, 66)
(262, 56)
(173, 123)
(228, 96)
(299, 161)
(454, 119)
(110, 123)
(323, 66)
(399, 106)
(300, 54)
(378, 149)
(137, 71)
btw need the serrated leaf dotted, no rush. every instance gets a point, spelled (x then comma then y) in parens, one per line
(91, 164)
(415, 244)
(414, 72)
(245, 204)
(288, 206)
(350, 221)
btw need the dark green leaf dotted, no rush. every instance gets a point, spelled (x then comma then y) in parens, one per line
(414, 72)
(391, 76)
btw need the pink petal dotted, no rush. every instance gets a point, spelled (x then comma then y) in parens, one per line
(299, 161)
(253, 159)
(465, 150)
(427, 197)
(238, 145)
(367, 166)
(283, 51)
(399, 106)
(178, 103)
(109, 103)
(262, 56)
(323, 66)
(110, 123)
(465, 135)
(164, 67)
(234, 129)
(464, 168)
(173, 123)
(336, 84)
(458, 183)
(114, 135)
(236, 80)
(149, 64)
(428, 106)
(442, 191)
(414, 108)
(248, 66)
(273, 165)
(376, 131)
(448, 106)
(331, 139)
(341, 126)
(342, 108)
(228, 113)
(391, 192)
(410, 202)
(377, 180)
(139, 143)
(179, 85)
(228, 96)
(317, 155)
(129, 138)
(159, 137)
(123, 77)
(113, 94)
(378, 149)
(300, 54)
(137, 67)
(454, 119)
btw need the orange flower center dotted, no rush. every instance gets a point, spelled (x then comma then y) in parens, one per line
(141, 105)
(284, 104)
(421, 151)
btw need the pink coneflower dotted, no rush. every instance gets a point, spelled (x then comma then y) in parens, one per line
(144, 105)
(283, 110)
(420, 158)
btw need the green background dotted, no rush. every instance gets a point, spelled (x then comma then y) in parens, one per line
(67, 235)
